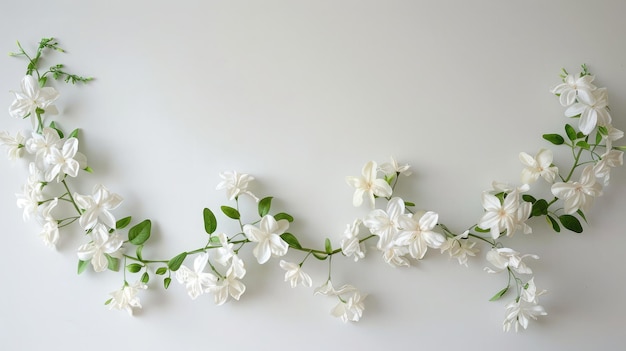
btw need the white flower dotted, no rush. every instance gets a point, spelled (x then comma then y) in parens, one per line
(539, 166)
(61, 161)
(224, 253)
(503, 258)
(196, 281)
(102, 244)
(392, 168)
(350, 244)
(295, 275)
(14, 145)
(126, 298)
(519, 313)
(385, 223)
(459, 247)
(530, 294)
(31, 98)
(228, 285)
(394, 256)
(368, 185)
(29, 200)
(500, 216)
(593, 110)
(612, 134)
(418, 234)
(97, 207)
(348, 309)
(267, 237)
(235, 184)
(573, 87)
(610, 159)
(578, 195)
(237, 267)
(50, 230)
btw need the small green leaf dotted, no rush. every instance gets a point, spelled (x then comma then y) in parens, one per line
(481, 230)
(166, 282)
(319, 256)
(123, 223)
(554, 139)
(42, 81)
(231, 212)
(582, 215)
(54, 126)
(74, 134)
(603, 130)
(210, 223)
(583, 145)
(82, 265)
(138, 252)
(571, 132)
(161, 270)
(215, 240)
(264, 206)
(283, 215)
(554, 223)
(327, 246)
(175, 263)
(539, 208)
(572, 223)
(140, 233)
(88, 169)
(499, 294)
(113, 263)
(145, 277)
(598, 137)
(409, 204)
(134, 267)
(529, 198)
(291, 240)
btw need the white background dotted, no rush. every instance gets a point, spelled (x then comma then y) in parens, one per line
(301, 94)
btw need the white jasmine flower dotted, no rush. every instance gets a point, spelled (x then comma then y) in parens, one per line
(14, 145)
(267, 237)
(235, 184)
(228, 285)
(610, 159)
(459, 247)
(592, 110)
(503, 258)
(50, 230)
(417, 234)
(196, 281)
(29, 200)
(394, 256)
(31, 98)
(350, 244)
(97, 207)
(501, 216)
(392, 168)
(574, 87)
(350, 309)
(519, 313)
(578, 195)
(237, 267)
(41, 144)
(385, 223)
(61, 161)
(613, 134)
(529, 293)
(295, 275)
(126, 298)
(368, 185)
(538, 166)
(224, 253)
(102, 244)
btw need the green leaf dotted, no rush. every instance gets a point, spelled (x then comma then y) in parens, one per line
(145, 277)
(583, 145)
(134, 267)
(499, 294)
(529, 198)
(598, 137)
(175, 263)
(138, 252)
(166, 282)
(108, 301)
(481, 230)
(319, 256)
(161, 270)
(123, 223)
(59, 131)
(291, 240)
(554, 223)
(215, 240)
(603, 130)
(264, 206)
(327, 246)
(554, 139)
(283, 215)
(582, 215)
(140, 233)
(409, 204)
(572, 223)
(42, 81)
(539, 208)
(231, 212)
(88, 169)
(82, 265)
(571, 132)
(113, 263)
(210, 223)
(74, 134)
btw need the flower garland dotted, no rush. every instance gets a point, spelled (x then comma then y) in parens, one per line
(401, 233)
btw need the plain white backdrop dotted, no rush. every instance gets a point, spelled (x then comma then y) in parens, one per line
(301, 94)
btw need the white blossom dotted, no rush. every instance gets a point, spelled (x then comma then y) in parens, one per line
(460, 247)
(503, 258)
(578, 195)
(61, 161)
(226, 286)
(573, 87)
(31, 98)
(267, 237)
(15, 145)
(97, 206)
(417, 234)
(538, 166)
(126, 298)
(392, 168)
(519, 312)
(102, 244)
(593, 110)
(196, 281)
(503, 215)
(294, 274)
(610, 159)
(236, 184)
(385, 223)
(368, 185)
(350, 244)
